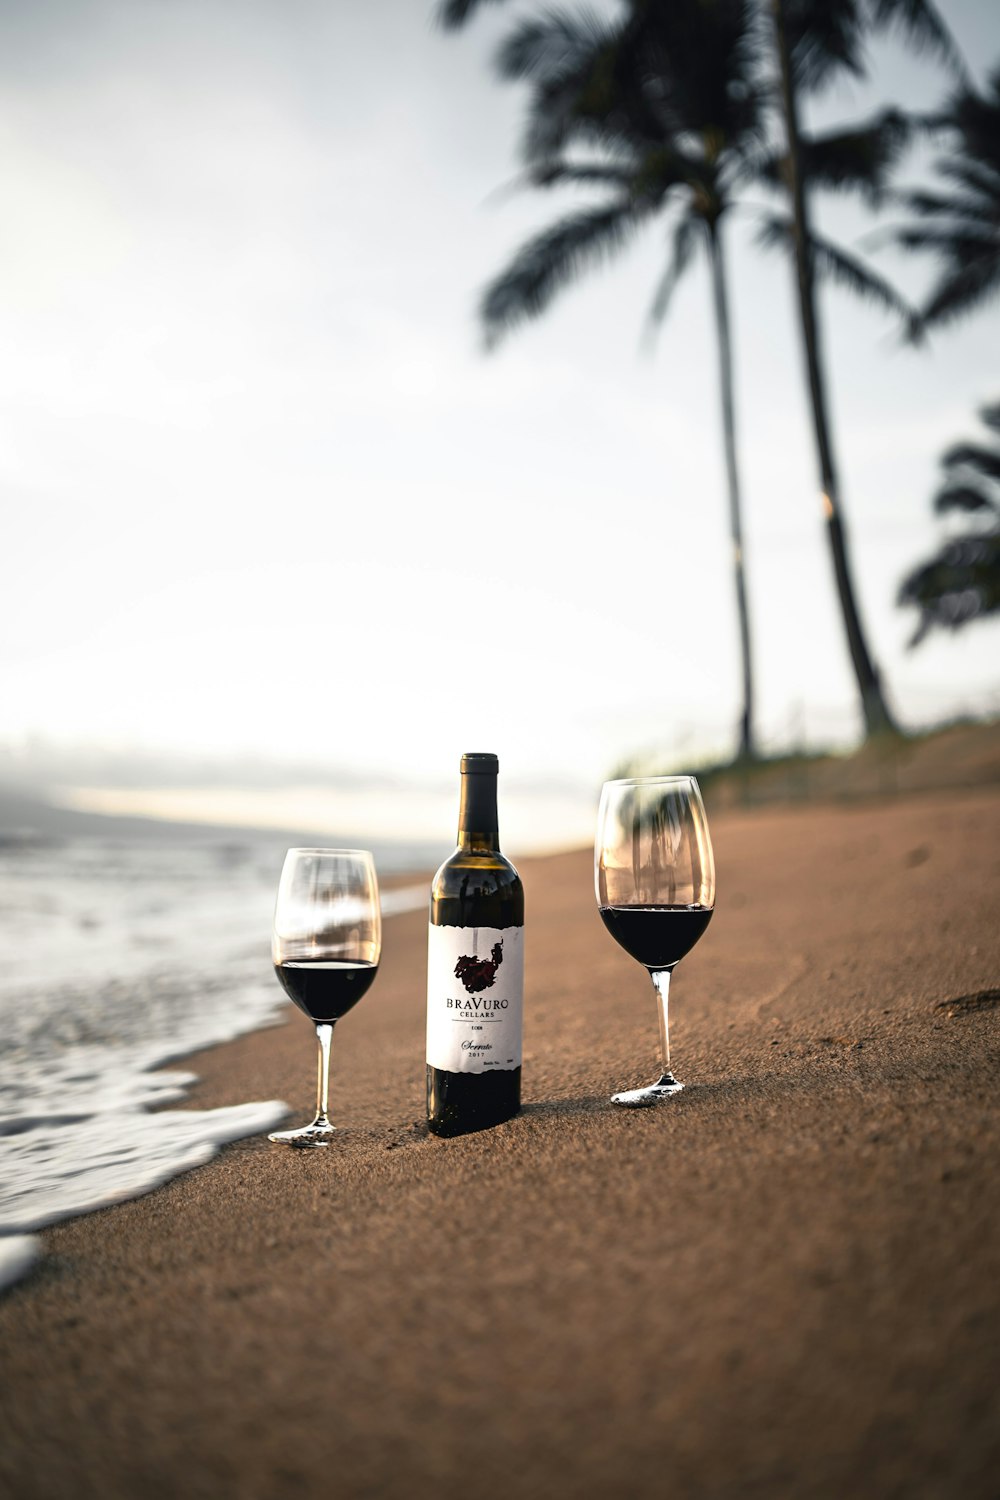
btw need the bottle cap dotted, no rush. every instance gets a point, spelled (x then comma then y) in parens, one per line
(479, 762)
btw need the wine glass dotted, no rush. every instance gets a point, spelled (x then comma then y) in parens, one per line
(655, 880)
(326, 945)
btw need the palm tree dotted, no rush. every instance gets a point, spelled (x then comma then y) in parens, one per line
(960, 221)
(815, 39)
(658, 113)
(962, 581)
(812, 41)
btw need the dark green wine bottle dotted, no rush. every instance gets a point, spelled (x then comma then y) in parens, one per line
(475, 969)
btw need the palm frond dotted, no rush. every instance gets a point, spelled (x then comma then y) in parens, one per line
(829, 38)
(565, 120)
(960, 584)
(958, 242)
(824, 40)
(928, 205)
(985, 461)
(990, 415)
(925, 29)
(574, 63)
(682, 247)
(551, 261)
(776, 232)
(563, 174)
(840, 266)
(959, 222)
(645, 178)
(980, 178)
(974, 114)
(553, 46)
(858, 160)
(700, 65)
(962, 497)
(451, 14)
(960, 291)
(975, 219)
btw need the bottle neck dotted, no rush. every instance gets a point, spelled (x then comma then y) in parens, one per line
(478, 828)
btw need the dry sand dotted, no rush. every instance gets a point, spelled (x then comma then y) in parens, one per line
(783, 1283)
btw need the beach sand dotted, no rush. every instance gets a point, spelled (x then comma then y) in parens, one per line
(785, 1282)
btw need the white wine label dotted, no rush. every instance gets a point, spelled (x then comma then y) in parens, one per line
(475, 990)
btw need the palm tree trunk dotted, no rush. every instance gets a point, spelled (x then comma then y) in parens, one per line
(747, 748)
(877, 716)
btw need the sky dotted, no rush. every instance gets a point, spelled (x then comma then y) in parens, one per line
(278, 535)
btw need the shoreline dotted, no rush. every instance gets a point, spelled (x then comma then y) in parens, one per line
(116, 1091)
(782, 1282)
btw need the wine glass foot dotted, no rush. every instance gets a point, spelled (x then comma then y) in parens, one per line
(655, 1093)
(319, 1133)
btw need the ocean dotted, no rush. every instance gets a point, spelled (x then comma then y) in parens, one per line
(115, 959)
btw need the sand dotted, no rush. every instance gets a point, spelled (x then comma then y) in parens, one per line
(782, 1283)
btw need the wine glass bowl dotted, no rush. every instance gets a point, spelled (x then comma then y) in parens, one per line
(654, 875)
(326, 945)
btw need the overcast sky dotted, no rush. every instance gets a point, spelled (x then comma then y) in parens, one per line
(263, 493)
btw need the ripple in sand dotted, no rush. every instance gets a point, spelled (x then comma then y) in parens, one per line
(965, 1005)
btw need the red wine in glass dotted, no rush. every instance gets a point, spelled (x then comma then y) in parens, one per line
(326, 945)
(655, 879)
(325, 989)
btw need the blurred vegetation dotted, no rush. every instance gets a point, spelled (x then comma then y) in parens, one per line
(963, 753)
(957, 219)
(961, 582)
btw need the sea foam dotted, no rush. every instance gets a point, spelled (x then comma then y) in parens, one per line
(114, 961)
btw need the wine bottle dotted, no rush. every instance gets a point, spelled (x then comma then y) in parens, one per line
(475, 968)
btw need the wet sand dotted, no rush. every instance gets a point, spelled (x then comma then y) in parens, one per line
(785, 1282)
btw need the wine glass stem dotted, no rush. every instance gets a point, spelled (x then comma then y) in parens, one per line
(661, 983)
(324, 1036)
